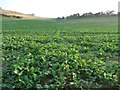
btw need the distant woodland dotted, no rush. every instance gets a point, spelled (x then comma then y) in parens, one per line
(89, 14)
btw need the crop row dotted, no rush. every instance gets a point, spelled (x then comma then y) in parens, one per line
(58, 60)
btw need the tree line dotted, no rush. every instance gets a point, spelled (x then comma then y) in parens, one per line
(89, 14)
(12, 16)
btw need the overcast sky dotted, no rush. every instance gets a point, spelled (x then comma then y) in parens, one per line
(55, 8)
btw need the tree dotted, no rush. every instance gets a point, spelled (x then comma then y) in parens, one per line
(111, 12)
(63, 17)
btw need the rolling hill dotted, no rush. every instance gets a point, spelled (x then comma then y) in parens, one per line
(17, 15)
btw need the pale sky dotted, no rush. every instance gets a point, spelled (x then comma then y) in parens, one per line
(59, 8)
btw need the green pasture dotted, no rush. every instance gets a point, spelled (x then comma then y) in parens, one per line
(98, 24)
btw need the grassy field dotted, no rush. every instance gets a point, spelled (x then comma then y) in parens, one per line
(51, 53)
(103, 24)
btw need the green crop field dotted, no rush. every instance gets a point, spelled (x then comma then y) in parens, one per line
(80, 53)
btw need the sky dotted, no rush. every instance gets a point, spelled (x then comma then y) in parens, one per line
(59, 8)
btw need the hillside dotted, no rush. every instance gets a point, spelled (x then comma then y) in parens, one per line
(17, 15)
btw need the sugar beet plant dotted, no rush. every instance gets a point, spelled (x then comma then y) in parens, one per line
(62, 60)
